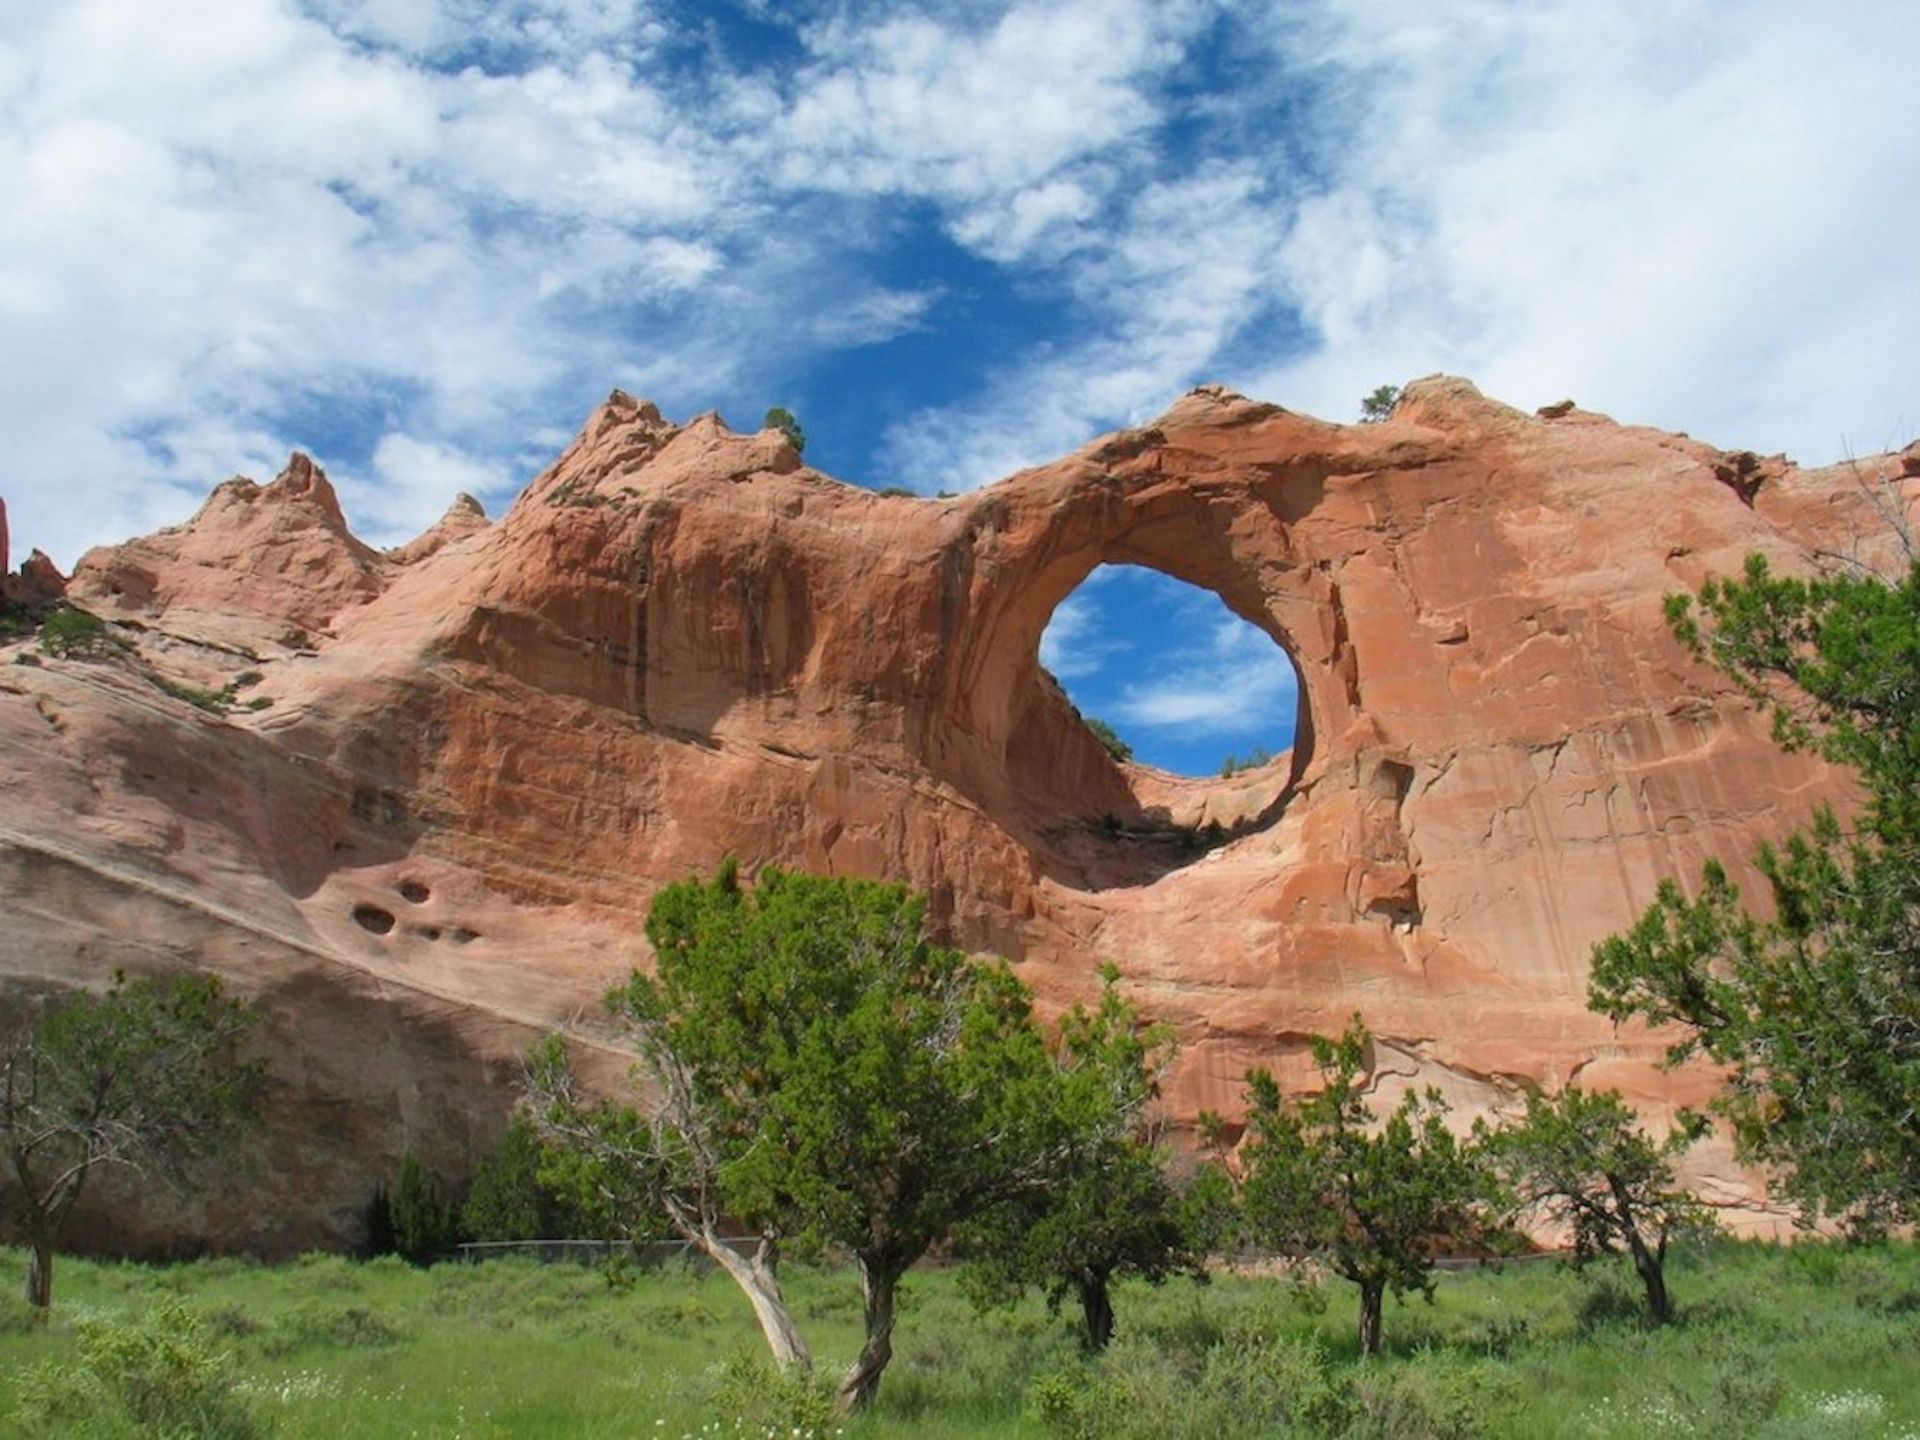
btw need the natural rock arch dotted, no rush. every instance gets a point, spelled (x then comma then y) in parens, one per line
(681, 643)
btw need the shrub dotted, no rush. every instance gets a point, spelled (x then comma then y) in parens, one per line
(761, 1399)
(1105, 734)
(17, 1317)
(1253, 760)
(780, 418)
(1253, 1386)
(425, 1225)
(1432, 1397)
(14, 619)
(69, 633)
(214, 702)
(158, 1375)
(1379, 404)
(344, 1327)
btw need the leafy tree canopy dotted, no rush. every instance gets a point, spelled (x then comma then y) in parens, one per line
(780, 418)
(1107, 1208)
(826, 1076)
(1579, 1159)
(1373, 1203)
(148, 1075)
(515, 1195)
(1815, 1012)
(68, 632)
(1378, 404)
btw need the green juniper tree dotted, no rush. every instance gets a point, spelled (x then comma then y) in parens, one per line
(1107, 1208)
(1378, 404)
(824, 1076)
(426, 1224)
(68, 632)
(512, 1198)
(148, 1075)
(1374, 1203)
(1815, 1013)
(1109, 739)
(1579, 1160)
(780, 418)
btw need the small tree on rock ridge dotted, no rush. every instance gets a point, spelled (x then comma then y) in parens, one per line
(1378, 405)
(782, 419)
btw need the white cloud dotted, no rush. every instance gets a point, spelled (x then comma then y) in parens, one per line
(1188, 268)
(237, 226)
(412, 483)
(226, 218)
(1074, 644)
(1233, 681)
(1238, 681)
(431, 28)
(873, 317)
(976, 113)
(1687, 216)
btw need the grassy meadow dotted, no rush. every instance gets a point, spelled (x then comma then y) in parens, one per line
(1813, 1341)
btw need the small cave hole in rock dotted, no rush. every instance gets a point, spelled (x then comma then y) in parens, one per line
(372, 917)
(1166, 675)
(414, 893)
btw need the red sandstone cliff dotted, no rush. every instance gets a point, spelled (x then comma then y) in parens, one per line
(485, 750)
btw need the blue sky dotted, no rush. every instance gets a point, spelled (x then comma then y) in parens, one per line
(422, 238)
(1178, 676)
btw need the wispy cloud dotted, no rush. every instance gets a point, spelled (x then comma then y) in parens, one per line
(235, 226)
(1239, 682)
(874, 317)
(1076, 643)
(1682, 214)
(1188, 268)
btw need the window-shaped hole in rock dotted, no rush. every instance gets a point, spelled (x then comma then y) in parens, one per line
(1178, 680)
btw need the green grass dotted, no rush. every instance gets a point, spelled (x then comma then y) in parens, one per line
(1818, 1341)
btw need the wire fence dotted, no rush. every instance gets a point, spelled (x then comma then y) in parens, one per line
(588, 1252)
(659, 1252)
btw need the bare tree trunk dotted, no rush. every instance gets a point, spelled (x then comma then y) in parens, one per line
(1096, 1307)
(1372, 1294)
(862, 1382)
(757, 1277)
(1652, 1267)
(40, 1277)
(1653, 1276)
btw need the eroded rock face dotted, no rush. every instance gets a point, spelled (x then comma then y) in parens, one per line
(439, 834)
(39, 582)
(258, 565)
(463, 518)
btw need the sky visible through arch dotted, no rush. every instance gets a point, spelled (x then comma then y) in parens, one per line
(422, 238)
(1178, 675)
